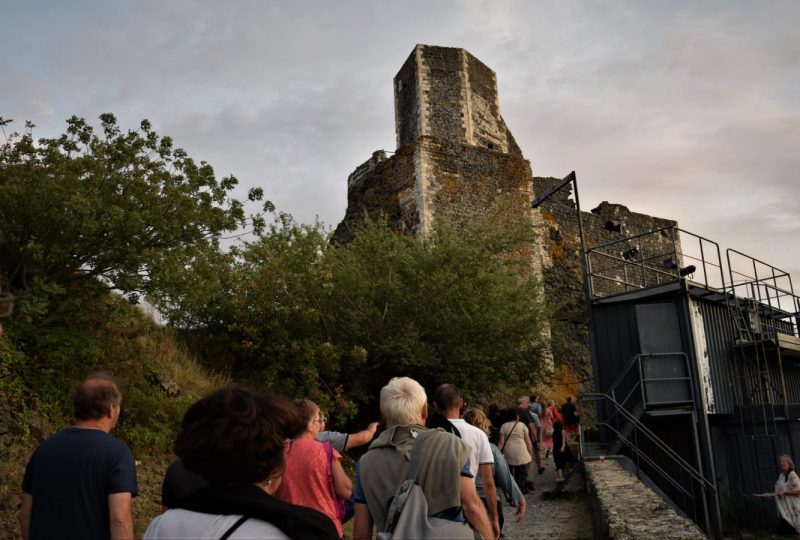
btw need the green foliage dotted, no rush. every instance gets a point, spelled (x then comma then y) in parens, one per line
(41, 364)
(125, 208)
(12, 362)
(334, 323)
(459, 307)
(265, 302)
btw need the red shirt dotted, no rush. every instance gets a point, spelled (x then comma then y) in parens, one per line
(305, 478)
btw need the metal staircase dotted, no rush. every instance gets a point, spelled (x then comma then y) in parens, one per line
(658, 384)
(629, 434)
(654, 382)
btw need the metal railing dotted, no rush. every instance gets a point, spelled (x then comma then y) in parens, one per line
(654, 463)
(651, 259)
(629, 381)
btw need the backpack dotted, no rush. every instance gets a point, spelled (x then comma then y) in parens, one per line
(408, 512)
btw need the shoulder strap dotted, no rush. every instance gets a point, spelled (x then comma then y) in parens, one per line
(416, 452)
(233, 527)
(249, 500)
(509, 434)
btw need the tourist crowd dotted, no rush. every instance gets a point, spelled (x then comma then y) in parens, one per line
(251, 465)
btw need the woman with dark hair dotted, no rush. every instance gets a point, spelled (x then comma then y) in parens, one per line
(787, 494)
(314, 476)
(562, 455)
(234, 438)
(496, 420)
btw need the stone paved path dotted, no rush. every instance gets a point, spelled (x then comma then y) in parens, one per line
(567, 517)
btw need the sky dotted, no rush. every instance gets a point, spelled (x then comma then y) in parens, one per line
(683, 110)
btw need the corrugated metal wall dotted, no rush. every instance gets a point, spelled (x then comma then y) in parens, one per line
(719, 337)
(616, 340)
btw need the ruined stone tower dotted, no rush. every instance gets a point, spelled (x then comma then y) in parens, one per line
(448, 94)
(456, 158)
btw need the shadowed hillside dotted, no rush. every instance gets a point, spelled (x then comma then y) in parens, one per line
(39, 367)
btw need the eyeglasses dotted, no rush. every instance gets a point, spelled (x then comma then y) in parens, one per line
(322, 418)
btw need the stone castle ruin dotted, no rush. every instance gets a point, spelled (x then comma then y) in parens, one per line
(456, 158)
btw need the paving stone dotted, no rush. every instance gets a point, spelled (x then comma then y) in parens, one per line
(565, 517)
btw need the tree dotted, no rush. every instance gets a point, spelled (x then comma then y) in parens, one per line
(125, 208)
(333, 323)
(460, 306)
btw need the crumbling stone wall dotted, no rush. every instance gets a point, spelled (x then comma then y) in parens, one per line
(562, 274)
(436, 178)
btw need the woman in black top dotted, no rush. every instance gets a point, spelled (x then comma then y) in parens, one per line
(562, 455)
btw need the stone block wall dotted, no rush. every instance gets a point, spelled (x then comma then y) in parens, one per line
(485, 126)
(625, 509)
(407, 102)
(449, 94)
(465, 181)
(442, 83)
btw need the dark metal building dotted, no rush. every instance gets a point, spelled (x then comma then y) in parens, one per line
(696, 363)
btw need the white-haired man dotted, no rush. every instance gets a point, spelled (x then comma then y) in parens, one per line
(444, 472)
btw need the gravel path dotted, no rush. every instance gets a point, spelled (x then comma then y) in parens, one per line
(566, 517)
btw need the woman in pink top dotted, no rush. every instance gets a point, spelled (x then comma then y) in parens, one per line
(305, 477)
(548, 421)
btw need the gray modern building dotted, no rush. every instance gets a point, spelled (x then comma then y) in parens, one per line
(696, 361)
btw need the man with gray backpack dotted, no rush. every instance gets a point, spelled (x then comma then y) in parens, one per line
(413, 481)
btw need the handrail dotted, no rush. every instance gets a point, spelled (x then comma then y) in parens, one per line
(783, 273)
(646, 458)
(655, 268)
(637, 360)
(623, 372)
(612, 242)
(686, 466)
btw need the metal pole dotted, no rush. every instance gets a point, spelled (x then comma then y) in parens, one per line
(703, 259)
(785, 402)
(643, 283)
(586, 268)
(701, 422)
(710, 528)
(580, 222)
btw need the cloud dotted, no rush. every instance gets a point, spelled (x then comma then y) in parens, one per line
(678, 109)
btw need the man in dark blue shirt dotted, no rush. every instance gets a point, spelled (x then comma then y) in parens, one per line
(79, 483)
